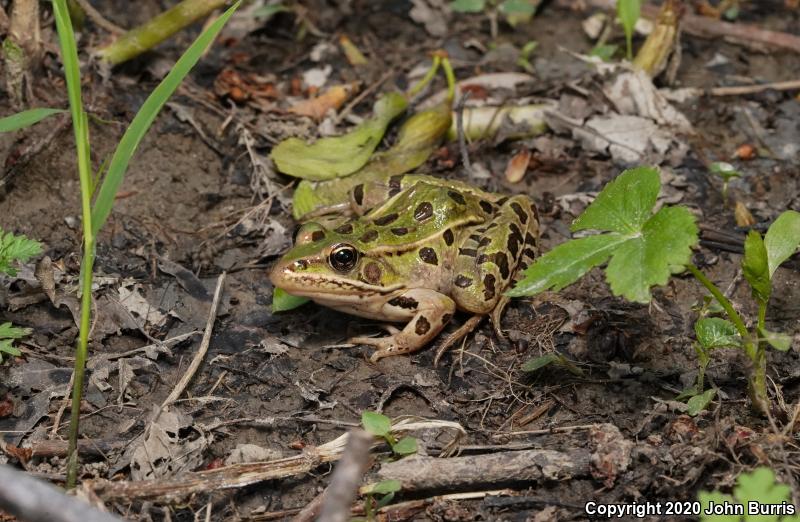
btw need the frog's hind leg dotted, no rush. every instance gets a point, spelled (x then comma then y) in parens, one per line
(493, 254)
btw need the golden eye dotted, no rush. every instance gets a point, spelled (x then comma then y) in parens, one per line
(343, 258)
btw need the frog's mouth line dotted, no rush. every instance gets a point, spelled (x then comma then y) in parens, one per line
(310, 285)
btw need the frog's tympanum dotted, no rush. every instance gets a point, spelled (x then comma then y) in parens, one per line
(416, 249)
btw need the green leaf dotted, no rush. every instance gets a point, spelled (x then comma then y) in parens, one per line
(706, 498)
(531, 365)
(147, 114)
(518, 7)
(27, 118)
(782, 239)
(566, 263)
(724, 170)
(628, 12)
(624, 204)
(699, 402)
(755, 266)
(281, 301)
(760, 486)
(780, 341)
(468, 6)
(9, 331)
(376, 424)
(605, 52)
(405, 446)
(15, 249)
(6, 348)
(715, 332)
(661, 249)
(386, 487)
(338, 156)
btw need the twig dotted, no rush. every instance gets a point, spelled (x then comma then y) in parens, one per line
(32, 500)
(201, 352)
(346, 477)
(98, 19)
(462, 142)
(736, 90)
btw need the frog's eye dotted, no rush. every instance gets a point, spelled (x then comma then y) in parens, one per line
(343, 258)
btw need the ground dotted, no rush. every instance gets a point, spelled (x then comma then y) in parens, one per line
(194, 204)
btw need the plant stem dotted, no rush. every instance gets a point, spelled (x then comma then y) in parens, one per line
(413, 91)
(156, 30)
(762, 315)
(735, 318)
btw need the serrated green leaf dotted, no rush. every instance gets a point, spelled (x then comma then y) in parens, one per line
(780, 341)
(405, 446)
(468, 6)
(566, 263)
(624, 204)
(663, 248)
(27, 118)
(760, 486)
(338, 156)
(282, 301)
(782, 239)
(706, 498)
(376, 424)
(699, 402)
(755, 266)
(14, 249)
(715, 332)
(386, 486)
(9, 331)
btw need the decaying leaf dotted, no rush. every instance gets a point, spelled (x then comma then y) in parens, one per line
(743, 216)
(319, 106)
(167, 450)
(517, 166)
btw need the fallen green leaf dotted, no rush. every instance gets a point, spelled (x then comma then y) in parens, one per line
(338, 156)
(699, 402)
(281, 301)
(27, 118)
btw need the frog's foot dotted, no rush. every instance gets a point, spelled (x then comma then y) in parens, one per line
(497, 317)
(463, 330)
(429, 310)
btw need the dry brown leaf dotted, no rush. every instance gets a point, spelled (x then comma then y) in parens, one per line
(318, 106)
(743, 216)
(518, 165)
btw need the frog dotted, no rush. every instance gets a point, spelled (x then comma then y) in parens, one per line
(413, 249)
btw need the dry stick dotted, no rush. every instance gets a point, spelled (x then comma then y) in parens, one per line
(428, 473)
(346, 477)
(201, 352)
(33, 500)
(735, 90)
(98, 19)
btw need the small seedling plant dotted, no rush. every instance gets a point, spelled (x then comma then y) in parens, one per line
(378, 495)
(644, 247)
(514, 11)
(14, 249)
(756, 497)
(381, 426)
(628, 12)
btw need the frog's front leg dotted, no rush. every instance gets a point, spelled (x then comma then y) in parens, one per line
(428, 311)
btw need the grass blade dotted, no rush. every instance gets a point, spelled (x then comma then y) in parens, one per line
(145, 117)
(25, 119)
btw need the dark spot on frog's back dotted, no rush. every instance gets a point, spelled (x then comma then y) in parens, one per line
(317, 235)
(372, 273)
(517, 208)
(422, 326)
(448, 237)
(486, 206)
(385, 220)
(369, 235)
(457, 197)
(394, 184)
(462, 281)
(489, 290)
(423, 211)
(347, 228)
(404, 302)
(469, 252)
(358, 194)
(428, 255)
(400, 231)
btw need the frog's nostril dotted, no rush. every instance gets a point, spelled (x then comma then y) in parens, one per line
(300, 264)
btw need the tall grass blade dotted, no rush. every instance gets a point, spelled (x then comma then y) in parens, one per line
(27, 118)
(145, 117)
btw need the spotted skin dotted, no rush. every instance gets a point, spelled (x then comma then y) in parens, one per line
(425, 248)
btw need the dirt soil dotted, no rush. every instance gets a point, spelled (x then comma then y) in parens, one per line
(196, 202)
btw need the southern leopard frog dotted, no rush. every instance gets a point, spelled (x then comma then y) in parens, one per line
(415, 249)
